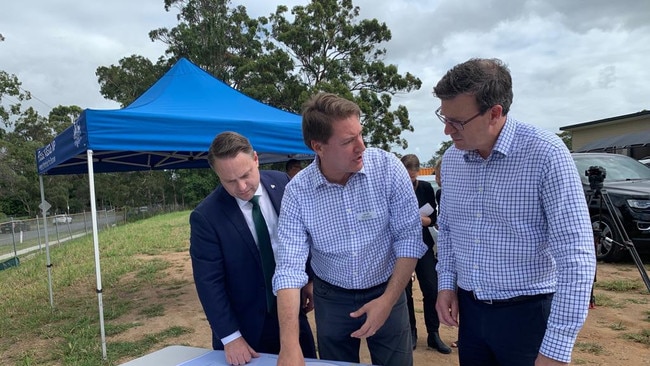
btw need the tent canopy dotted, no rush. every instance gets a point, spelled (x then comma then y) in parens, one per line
(171, 126)
(618, 142)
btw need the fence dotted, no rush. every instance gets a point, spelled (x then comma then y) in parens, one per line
(19, 237)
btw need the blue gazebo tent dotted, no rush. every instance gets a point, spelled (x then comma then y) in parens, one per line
(170, 126)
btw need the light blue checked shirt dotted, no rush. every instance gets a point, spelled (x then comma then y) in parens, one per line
(516, 224)
(355, 232)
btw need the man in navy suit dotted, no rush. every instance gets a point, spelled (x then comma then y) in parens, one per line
(226, 260)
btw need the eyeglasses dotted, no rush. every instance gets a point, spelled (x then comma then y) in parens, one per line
(456, 124)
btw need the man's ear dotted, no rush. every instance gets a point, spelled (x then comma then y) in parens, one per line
(316, 146)
(495, 112)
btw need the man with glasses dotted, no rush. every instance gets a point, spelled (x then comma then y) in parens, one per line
(515, 245)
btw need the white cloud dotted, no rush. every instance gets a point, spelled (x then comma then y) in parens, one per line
(571, 61)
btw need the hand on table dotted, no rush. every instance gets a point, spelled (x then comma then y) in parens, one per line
(238, 352)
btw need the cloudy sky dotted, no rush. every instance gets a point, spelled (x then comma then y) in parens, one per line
(571, 61)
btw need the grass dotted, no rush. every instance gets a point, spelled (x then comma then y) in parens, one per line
(620, 285)
(617, 326)
(605, 301)
(590, 347)
(642, 337)
(68, 333)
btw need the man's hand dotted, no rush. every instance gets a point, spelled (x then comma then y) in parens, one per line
(307, 297)
(291, 356)
(238, 352)
(447, 307)
(545, 361)
(377, 311)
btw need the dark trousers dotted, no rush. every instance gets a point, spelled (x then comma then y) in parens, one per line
(270, 339)
(501, 334)
(425, 270)
(390, 346)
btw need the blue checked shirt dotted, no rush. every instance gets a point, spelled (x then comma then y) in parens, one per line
(516, 224)
(355, 232)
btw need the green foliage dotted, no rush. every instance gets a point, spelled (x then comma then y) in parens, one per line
(567, 138)
(334, 51)
(282, 60)
(441, 151)
(10, 86)
(126, 82)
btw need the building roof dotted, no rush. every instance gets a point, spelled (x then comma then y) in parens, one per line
(617, 119)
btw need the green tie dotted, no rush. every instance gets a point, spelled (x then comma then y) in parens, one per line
(266, 251)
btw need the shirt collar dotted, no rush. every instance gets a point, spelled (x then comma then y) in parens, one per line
(260, 192)
(317, 177)
(502, 147)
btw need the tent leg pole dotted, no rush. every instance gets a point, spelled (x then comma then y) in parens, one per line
(98, 272)
(47, 240)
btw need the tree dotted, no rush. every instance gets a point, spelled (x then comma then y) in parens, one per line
(325, 47)
(223, 41)
(126, 82)
(441, 151)
(17, 160)
(567, 138)
(335, 52)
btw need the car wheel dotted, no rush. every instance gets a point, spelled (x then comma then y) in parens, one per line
(607, 251)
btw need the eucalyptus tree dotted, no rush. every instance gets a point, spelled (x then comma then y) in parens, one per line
(221, 39)
(278, 59)
(335, 51)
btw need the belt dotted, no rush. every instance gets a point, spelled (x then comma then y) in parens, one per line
(511, 300)
(351, 291)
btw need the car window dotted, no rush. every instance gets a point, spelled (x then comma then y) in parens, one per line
(617, 167)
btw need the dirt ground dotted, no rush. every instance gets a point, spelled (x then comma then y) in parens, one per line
(604, 340)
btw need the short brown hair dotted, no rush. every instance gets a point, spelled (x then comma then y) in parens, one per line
(320, 111)
(411, 162)
(227, 145)
(488, 80)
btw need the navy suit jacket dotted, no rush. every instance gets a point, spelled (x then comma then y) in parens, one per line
(227, 265)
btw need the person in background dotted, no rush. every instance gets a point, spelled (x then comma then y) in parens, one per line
(355, 211)
(292, 167)
(425, 269)
(515, 244)
(228, 257)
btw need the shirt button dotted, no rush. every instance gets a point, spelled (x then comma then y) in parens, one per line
(475, 266)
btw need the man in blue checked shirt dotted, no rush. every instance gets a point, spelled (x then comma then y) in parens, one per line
(515, 250)
(355, 211)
